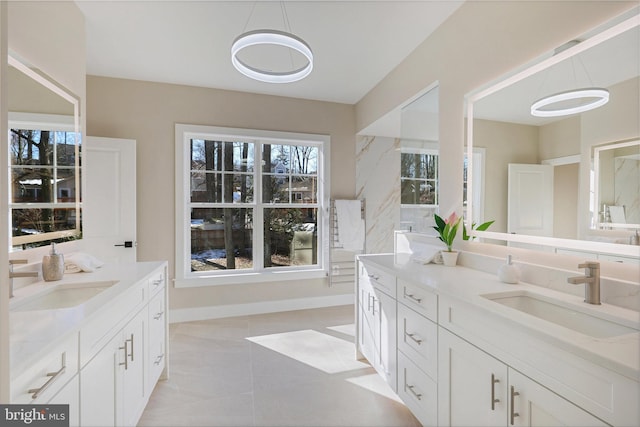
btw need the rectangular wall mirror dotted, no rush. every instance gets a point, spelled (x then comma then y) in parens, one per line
(542, 186)
(44, 154)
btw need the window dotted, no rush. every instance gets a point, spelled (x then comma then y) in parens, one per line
(419, 177)
(253, 203)
(44, 197)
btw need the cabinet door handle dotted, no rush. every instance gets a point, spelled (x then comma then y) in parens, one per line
(131, 341)
(126, 355)
(373, 276)
(158, 359)
(157, 282)
(513, 410)
(494, 381)
(53, 376)
(417, 395)
(411, 296)
(158, 315)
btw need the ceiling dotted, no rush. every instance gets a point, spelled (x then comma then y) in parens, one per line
(355, 43)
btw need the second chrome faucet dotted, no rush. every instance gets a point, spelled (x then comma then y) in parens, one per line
(591, 281)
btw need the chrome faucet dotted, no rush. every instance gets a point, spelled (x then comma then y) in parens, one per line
(14, 274)
(591, 281)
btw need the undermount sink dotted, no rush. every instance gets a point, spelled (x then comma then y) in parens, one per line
(564, 314)
(63, 296)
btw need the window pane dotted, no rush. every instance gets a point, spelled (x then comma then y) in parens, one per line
(417, 192)
(206, 187)
(31, 147)
(276, 158)
(65, 148)
(290, 237)
(242, 188)
(66, 185)
(304, 189)
(221, 239)
(32, 185)
(243, 158)
(38, 221)
(304, 160)
(275, 189)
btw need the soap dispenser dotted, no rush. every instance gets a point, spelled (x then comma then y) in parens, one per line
(53, 265)
(509, 273)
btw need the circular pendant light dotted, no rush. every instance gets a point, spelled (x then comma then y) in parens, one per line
(594, 97)
(271, 37)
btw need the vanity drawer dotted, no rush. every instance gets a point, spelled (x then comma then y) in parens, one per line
(416, 297)
(42, 380)
(417, 391)
(418, 339)
(380, 279)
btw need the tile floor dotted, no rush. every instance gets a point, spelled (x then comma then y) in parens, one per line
(294, 368)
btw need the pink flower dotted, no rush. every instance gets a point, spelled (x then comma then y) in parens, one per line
(453, 218)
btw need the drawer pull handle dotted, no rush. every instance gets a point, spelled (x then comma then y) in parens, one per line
(126, 355)
(513, 410)
(35, 392)
(158, 359)
(494, 381)
(157, 282)
(413, 337)
(417, 395)
(411, 296)
(374, 277)
(158, 315)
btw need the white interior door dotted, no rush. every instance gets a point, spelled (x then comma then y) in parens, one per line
(530, 205)
(109, 199)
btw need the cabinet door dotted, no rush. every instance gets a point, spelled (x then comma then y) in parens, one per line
(132, 391)
(70, 395)
(98, 385)
(366, 324)
(530, 404)
(387, 347)
(471, 384)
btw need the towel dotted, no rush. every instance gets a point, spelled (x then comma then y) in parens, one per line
(350, 224)
(79, 261)
(616, 213)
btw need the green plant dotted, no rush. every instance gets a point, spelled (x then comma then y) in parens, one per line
(481, 227)
(447, 228)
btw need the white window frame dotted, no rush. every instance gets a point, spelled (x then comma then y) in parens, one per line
(184, 277)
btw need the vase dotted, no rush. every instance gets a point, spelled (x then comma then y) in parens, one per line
(449, 259)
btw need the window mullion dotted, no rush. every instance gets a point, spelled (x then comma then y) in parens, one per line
(258, 214)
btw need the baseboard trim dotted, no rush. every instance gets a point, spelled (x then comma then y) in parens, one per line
(232, 310)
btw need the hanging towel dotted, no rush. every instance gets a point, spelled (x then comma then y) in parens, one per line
(616, 213)
(350, 224)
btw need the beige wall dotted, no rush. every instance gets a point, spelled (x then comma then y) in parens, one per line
(147, 112)
(560, 138)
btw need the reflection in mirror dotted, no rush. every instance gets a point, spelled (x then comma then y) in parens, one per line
(616, 186)
(44, 143)
(538, 169)
(419, 162)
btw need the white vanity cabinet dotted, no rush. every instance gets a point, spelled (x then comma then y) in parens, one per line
(478, 389)
(117, 379)
(459, 363)
(377, 320)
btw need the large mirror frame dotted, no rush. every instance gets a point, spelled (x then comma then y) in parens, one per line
(524, 240)
(35, 115)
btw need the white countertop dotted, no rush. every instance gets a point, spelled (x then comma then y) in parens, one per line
(34, 333)
(620, 353)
